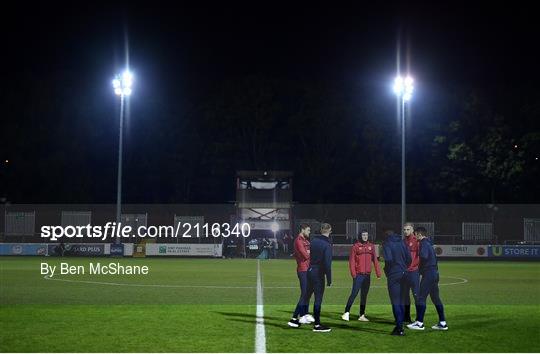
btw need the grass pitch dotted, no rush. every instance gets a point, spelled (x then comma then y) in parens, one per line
(208, 305)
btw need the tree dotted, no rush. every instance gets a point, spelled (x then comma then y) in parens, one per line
(478, 148)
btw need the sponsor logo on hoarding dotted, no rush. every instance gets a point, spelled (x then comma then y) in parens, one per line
(117, 250)
(77, 249)
(515, 251)
(184, 250)
(23, 249)
(496, 251)
(461, 250)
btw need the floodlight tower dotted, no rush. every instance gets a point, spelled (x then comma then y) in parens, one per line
(403, 88)
(122, 85)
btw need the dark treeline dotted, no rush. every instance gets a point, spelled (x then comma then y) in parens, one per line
(342, 141)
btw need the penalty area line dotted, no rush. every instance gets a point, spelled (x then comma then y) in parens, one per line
(47, 277)
(173, 286)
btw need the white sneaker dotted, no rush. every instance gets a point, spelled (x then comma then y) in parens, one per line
(293, 323)
(411, 324)
(363, 318)
(304, 320)
(417, 326)
(440, 327)
(345, 316)
(310, 318)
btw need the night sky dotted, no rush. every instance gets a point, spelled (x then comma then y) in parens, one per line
(59, 136)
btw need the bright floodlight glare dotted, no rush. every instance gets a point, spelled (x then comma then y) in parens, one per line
(398, 85)
(404, 87)
(274, 227)
(122, 84)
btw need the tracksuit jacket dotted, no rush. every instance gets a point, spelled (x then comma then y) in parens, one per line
(360, 259)
(397, 257)
(301, 253)
(428, 259)
(414, 248)
(321, 256)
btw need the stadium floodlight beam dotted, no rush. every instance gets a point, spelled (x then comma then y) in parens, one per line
(122, 85)
(403, 88)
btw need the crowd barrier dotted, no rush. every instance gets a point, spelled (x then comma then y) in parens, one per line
(71, 249)
(216, 250)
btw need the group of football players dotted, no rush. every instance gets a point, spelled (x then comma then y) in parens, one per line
(410, 265)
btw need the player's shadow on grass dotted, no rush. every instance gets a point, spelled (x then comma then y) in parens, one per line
(266, 323)
(277, 322)
(356, 329)
(280, 322)
(251, 317)
(337, 315)
(373, 319)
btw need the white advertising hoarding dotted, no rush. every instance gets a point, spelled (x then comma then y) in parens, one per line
(461, 250)
(184, 249)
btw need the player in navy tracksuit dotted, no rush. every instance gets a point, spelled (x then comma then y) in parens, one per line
(429, 285)
(397, 259)
(320, 266)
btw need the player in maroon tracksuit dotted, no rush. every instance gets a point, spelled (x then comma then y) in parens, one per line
(412, 278)
(360, 259)
(302, 255)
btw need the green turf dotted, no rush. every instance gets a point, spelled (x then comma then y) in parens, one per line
(198, 305)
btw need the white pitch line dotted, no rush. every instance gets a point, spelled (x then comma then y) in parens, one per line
(461, 281)
(46, 277)
(148, 285)
(260, 335)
